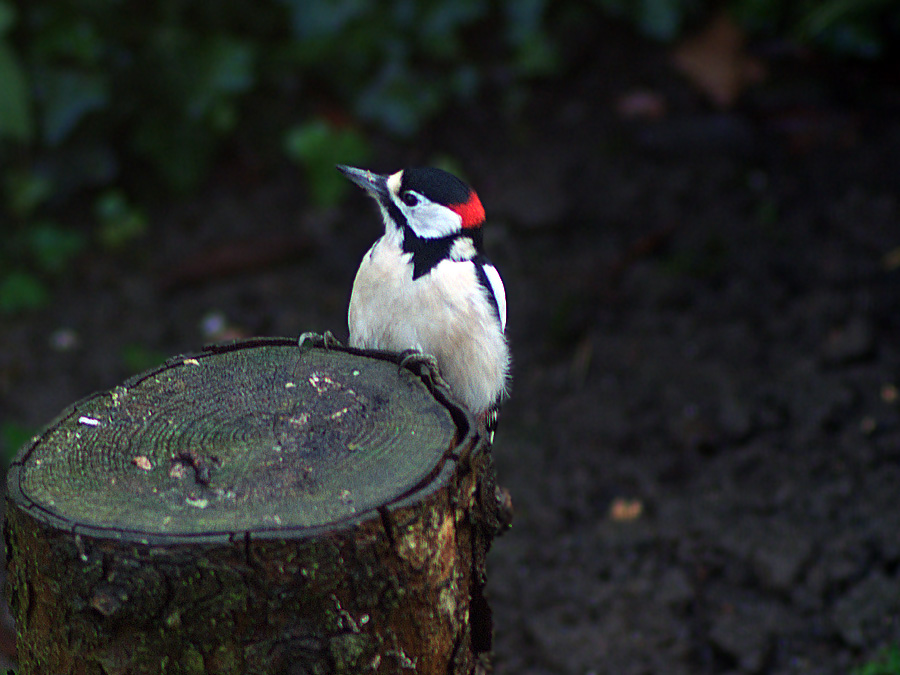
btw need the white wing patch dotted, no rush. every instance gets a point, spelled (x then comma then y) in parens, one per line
(493, 277)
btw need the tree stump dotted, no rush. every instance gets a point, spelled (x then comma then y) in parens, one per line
(254, 508)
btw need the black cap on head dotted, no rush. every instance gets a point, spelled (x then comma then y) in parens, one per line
(436, 184)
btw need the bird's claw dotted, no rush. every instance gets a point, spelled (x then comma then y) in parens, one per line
(424, 365)
(324, 340)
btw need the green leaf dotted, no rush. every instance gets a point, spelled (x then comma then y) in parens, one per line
(12, 437)
(830, 14)
(68, 96)
(887, 663)
(137, 357)
(7, 17)
(847, 26)
(25, 192)
(52, 246)
(439, 28)
(661, 19)
(119, 221)
(310, 18)
(69, 37)
(536, 56)
(525, 19)
(399, 99)
(318, 146)
(16, 122)
(180, 149)
(757, 15)
(20, 292)
(856, 39)
(225, 67)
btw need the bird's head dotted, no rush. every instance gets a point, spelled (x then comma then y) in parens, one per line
(431, 203)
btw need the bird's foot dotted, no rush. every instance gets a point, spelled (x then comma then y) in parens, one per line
(324, 340)
(487, 422)
(423, 365)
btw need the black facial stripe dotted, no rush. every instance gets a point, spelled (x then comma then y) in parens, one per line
(395, 213)
(426, 253)
(480, 261)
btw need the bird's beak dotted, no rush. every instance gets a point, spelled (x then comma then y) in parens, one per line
(372, 183)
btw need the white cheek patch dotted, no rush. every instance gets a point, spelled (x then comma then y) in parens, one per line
(432, 221)
(428, 220)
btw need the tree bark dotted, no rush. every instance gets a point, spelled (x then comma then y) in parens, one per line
(255, 508)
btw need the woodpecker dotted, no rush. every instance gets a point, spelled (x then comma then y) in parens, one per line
(427, 288)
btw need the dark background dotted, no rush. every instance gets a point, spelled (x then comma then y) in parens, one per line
(703, 436)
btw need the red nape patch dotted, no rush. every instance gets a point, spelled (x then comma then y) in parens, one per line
(471, 212)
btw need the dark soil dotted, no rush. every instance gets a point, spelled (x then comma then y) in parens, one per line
(703, 441)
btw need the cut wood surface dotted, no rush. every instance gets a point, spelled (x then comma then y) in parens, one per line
(254, 508)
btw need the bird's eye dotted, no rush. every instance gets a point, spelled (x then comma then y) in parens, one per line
(409, 198)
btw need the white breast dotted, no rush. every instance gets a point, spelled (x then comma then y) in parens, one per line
(445, 313)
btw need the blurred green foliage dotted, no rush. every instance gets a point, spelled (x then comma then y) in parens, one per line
(12, 437)
(118, 221)
(659, 19)
(845, 28)
(318, 146)
(113, 105)
(887, 663)
(864, 29)
(137, 358)
(21, 291)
